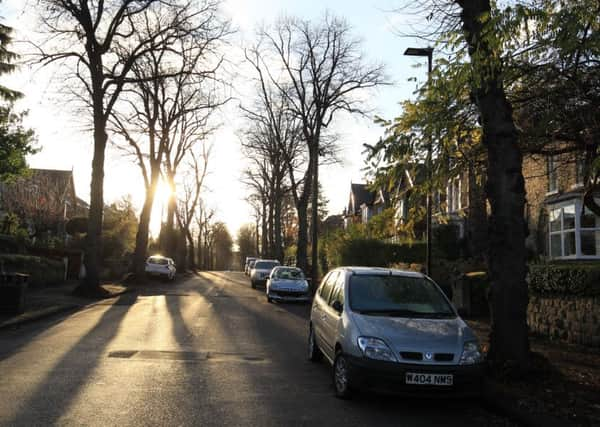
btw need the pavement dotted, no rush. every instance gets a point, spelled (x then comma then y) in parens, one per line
(50, 301)
(207, 350)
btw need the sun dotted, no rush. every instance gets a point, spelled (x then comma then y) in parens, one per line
(159, 210)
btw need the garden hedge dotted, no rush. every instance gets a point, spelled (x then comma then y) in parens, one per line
(42, 271)
(564, 279)
(373, 253)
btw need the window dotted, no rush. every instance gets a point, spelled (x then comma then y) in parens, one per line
(571, 234)
(338, 293)
(454, 190)
(552, 175)
(328, 284)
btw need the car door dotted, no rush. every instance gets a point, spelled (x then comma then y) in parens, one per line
(331, 317)
(319, 306)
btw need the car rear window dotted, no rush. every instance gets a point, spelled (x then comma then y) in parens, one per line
(160, 261)
(289, 273)
(399, 296)
(265, 265)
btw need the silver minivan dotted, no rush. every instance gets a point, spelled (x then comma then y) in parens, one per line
(392, 331)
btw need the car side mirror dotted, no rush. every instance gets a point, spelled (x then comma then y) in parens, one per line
(337, 306)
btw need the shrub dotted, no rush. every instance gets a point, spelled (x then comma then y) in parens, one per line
(371, 252)
(564, 279)
(42, 271)
(445, 242)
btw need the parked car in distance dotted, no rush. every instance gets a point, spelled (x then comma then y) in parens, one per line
(160, 266)
(249, 259)
(250, 266)
(261, 270)
(392, 330)
(287, 284)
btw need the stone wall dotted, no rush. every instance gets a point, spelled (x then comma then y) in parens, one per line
(574, 320)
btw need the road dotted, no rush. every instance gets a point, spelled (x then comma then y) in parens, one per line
(206, 351)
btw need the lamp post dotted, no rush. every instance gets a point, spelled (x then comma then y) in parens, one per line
(428, 52)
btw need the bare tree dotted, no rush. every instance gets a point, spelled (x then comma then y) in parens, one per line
(153, 107)
(320, 71)
(190, 199)
(103, 40)
(187, 124)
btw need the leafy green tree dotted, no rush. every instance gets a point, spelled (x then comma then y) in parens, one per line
(119, 229)
(16, 142)
(246, 241)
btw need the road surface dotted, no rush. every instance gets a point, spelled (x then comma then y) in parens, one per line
(207, 350)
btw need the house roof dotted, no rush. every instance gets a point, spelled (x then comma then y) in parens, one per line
(359, 194)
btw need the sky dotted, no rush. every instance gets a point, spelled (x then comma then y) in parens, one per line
(67, 143)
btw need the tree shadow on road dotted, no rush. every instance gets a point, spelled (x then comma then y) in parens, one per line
(70, 374)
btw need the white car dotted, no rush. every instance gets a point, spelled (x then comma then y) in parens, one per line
(160, 266)
(287, 284)
(261, 271)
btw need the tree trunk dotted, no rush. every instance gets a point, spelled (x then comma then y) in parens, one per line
(302, 245)
(314, 268)
(93, 247)
(199, 251)
(264, 231)
(505, 189)
(271, 223)
(141, 238)
(169, 243)
(278, 252)
(191, 252)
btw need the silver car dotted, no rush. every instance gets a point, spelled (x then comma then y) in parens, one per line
(261, 270)
(392, 330)
(287, 284)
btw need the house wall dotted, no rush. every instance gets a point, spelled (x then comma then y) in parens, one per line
(535, 172)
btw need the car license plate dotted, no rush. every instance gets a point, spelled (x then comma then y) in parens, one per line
(429, 379)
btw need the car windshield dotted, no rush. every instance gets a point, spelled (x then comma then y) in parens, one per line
(265, 265)
(397, 296)
(160, 261)
(288, 274)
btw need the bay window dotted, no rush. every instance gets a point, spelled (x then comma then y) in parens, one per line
(571, 234)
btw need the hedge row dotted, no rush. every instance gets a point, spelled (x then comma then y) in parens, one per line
(564, 279)
(373, 253)
(42, 271)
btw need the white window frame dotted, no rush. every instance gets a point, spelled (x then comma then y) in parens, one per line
(577, 230)
(453, 201)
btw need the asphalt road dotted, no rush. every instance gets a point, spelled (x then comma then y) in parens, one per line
(206, 351)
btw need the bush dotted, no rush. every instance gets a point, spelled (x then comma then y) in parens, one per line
(446, 243)
(564, 279)
(42, 271)
(372, 253)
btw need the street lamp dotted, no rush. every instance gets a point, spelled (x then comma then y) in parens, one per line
(428, 52)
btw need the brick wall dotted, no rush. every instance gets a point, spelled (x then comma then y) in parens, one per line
(535, 173)
(574, 320)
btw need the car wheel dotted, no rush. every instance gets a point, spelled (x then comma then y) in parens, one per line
(269, 299)
(314, 353)
(341, 376)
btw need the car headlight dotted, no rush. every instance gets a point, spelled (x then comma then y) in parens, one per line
(374, 348)
(471, 353)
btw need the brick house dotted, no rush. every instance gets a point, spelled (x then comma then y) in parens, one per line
(463, 205)
(44, 200)
(560, 227)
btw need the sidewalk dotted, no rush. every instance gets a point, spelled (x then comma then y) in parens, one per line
(45, 302)
(563, 387)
